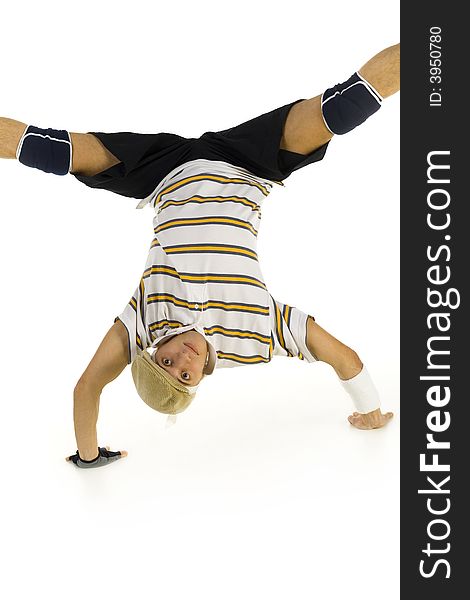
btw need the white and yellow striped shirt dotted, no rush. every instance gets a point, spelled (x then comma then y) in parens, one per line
(203, 269)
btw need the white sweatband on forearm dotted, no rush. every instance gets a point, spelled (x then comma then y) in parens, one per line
(363, 392)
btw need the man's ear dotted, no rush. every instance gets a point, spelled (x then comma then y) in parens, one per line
(204, 371)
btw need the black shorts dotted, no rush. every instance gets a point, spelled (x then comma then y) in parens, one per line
(146, 158)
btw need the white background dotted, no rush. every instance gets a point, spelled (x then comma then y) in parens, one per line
(262, 489)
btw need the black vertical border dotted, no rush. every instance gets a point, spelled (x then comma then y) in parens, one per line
(424, 129)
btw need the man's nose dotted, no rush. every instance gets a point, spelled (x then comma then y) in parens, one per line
(186, 354)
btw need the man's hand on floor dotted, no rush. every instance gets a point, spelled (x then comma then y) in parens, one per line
(372, 420)
(105, 456)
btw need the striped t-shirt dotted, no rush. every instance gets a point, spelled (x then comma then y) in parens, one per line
(202, 268)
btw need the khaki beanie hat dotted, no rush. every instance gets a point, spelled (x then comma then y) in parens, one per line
(157, 388)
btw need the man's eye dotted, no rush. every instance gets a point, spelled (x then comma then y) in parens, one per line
(166, 362)
(186, 376)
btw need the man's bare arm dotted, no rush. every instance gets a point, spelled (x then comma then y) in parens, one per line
(108, 362)
(347, 365)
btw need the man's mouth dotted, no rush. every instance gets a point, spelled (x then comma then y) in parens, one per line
(191, 347)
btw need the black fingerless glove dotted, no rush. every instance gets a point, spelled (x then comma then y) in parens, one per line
(104, 457)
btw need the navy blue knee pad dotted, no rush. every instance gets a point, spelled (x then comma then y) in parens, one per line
(49, 150)
(348, 104)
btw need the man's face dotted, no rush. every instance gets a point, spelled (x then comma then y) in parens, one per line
(183, 356)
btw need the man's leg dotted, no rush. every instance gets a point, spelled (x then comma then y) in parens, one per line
(305, 129)
(89, 156)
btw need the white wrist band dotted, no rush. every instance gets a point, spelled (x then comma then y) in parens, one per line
(363, 392)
